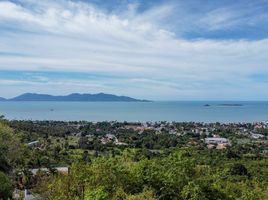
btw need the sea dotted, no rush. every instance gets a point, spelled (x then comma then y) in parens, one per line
(180, 111)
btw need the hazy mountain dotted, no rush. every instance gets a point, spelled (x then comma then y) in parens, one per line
(2, 99)
(74, 97)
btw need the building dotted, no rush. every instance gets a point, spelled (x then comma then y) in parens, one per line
(215, 140)
(256, 136)
(33, 143)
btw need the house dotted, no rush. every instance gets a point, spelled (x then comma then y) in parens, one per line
(121, 144)
(256, 136)
(216, 140)
(219, 143)
(109, 138)
(33, 143)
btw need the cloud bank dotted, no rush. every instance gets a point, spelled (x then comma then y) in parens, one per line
(126, 51)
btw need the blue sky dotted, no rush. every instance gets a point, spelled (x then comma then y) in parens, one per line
(153, 49)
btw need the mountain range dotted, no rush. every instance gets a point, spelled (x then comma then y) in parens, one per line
(73, 97)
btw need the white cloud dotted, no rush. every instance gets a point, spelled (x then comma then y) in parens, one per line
(69, 36)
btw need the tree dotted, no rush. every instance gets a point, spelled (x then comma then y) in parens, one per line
(6, 187)
(83, 143)
(86, 157)
(238, 169)
(12, 152)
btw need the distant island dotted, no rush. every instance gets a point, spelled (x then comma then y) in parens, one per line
(230, 104)
(225, 104)
(74, 97)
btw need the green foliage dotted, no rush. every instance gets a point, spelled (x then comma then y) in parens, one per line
(238, 169)
(193, 191)
(179, 175)
(12, 152)
(6, 187)
(97, 194)
(147, 169)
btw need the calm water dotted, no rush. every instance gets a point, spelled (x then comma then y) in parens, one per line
(137, 111)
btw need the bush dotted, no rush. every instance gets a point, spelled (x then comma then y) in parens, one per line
(97, 194)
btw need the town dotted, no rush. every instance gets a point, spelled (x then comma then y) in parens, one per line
(55, 147)
(215, 135)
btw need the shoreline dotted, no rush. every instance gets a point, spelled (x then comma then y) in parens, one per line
(135, 122)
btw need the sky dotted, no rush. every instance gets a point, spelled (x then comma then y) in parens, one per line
(149, 49)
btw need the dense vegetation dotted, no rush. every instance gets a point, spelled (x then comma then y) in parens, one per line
(182, 174)
(13, 155)
(152, 165)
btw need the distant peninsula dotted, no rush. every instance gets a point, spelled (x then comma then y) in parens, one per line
(102, 97)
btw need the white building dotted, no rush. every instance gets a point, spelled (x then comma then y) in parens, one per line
(213, 140)
(257, 136)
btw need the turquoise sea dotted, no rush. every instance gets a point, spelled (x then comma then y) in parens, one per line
(138, 111)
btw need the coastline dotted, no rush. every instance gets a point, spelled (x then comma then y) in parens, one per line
(180, 111)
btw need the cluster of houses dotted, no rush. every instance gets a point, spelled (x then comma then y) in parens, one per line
(209, 130)
(202, 128)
